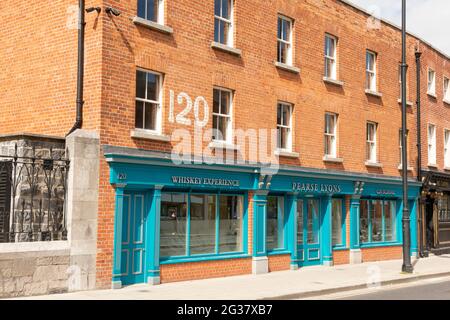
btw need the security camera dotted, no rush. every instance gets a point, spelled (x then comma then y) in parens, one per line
(92, 9)
(110, 10)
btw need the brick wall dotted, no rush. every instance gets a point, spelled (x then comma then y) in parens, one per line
(279, 262)
(341, 257)
(382, 253)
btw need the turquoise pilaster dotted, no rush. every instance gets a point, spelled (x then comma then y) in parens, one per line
(413, 226)
(325, 230)
(118, 221)
(153, 237)
(291, 210)
(354, 222)
(260, 223)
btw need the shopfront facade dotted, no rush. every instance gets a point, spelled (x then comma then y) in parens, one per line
(192, 221)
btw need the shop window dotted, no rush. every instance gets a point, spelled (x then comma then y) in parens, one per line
(201, 224)
(148, 101)
(444, 208)
(338, 222)
(330, 57)
(371, 71)
(377, 221)
(152, 10)
(223, 22)
(284, 126)
(275, 223)
(284, 40)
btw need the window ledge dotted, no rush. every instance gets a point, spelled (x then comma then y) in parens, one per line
(447, 168)
(150, 135)
(333, 81)
(408, 103)
(373, 164)
(286, 67)
(431, 94)
(225, 48)
(373, 93)
(287, 154)
(400, 167)
(152, 25)
(432, 165)
(332, 159)
(223, 145)
(446, 101)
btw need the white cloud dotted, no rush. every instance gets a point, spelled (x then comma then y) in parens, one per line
(426, 18)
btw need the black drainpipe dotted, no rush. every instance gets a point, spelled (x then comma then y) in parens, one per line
(419, 154)
(80, 77)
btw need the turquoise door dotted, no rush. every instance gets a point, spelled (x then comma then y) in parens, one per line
(308, 231)
(133, 235)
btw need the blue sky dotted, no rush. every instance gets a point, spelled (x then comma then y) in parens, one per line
(428, 19)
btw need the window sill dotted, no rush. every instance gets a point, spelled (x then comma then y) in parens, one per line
(400, 167)
(149, 135)
(431, 94)
(408, 103)
(332, 159)
(223, 145)
(152, 25)
(340, 248)
(286, 67)
(373, 93)
(225, 48)
(447, 168)
(333, 81)
(432, 165)
(287, 154)
(373, 164)
(446, 101)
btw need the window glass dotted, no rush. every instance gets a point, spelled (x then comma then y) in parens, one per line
(223, 22)
(284, 40)
(275, 223)
(147, 100)
(337, 220)
(377, 220)
(149, 10)
(371, 71)
(330, 134)
(300, 222)
(330, 57)
(389, 218)
(231, 211)
(284, 126)
(173, 224)
(313, 221)
(203, 224)
(221, 115)
(364, 221)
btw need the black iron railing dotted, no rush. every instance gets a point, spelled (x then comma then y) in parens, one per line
(32, 195)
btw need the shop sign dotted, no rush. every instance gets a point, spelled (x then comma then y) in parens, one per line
(216, 182)
(316, 187)
(386, 193)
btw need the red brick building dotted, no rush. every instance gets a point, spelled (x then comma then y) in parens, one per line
(323, 75)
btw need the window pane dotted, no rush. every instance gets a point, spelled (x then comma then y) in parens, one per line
(275, 221)
(282, 52)
(364, 221)
(152, 87)
(216, 101)
(203, 224)
(231, 213)
(141, 9)
(141, 78)
(217, 32)
(337, 220)
(225, 102)
(217, 5)
(223, 125)
(377, 220)
(313, 221)
(280, 28)
(139, 117)
(173, 224)
(150, 114)
(389, 220)
(226, 10)
(300, 221)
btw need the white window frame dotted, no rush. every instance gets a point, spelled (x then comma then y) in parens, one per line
(333, 58)
(371, 144)
(332, 135)
(290, 55)
(431, 145)
(446, 85)
(288, 126)
(371, 85)
(400, 134)
(431, 89)
(447, 148)
(229, 116)
(160, 12)
(229, 41)
(158, 128)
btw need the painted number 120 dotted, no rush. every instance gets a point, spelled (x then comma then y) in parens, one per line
(182, 117)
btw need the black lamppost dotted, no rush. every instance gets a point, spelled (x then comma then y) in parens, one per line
(407, 266)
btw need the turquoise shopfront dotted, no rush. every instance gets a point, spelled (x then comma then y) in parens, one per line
(167, 214)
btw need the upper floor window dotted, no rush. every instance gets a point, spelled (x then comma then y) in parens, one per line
(148, 100)
(152, 10)
(371, 71)
(330, 57)
(284, 40)
(431, 82)
(222, 122)
(372, 142)
(446, 89)
(400, 144)
(447, 148)
(331, 135)
(223, 22)
(431, 144)
(284, 126)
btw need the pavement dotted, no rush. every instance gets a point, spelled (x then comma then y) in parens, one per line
(297, 284)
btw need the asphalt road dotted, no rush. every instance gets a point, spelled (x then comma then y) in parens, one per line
(431, 289)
